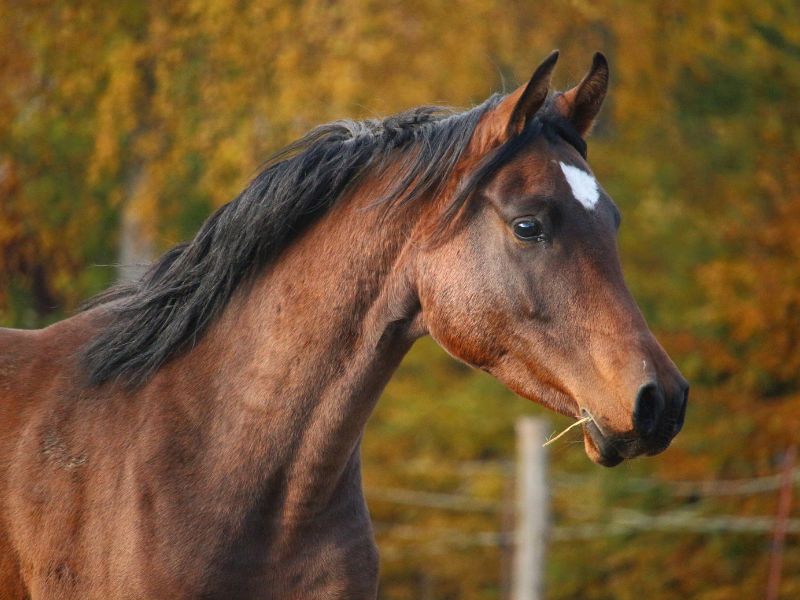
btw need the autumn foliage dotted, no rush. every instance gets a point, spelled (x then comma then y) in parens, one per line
(123, 124)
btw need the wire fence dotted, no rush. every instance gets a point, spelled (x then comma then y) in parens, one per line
(620, 521)
(624, 523)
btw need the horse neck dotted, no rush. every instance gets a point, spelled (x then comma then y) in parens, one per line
(302, 355)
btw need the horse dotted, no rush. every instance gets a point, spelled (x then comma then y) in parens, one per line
(195, 433)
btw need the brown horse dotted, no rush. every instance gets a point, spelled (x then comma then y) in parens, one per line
(196, 433)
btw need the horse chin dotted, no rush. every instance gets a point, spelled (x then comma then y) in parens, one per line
(598, 448)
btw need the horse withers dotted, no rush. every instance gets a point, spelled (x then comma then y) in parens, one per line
(196, 433)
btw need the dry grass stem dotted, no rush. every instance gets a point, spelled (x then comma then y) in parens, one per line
(575, 424)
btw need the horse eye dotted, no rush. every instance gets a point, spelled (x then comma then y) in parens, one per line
(529, 230)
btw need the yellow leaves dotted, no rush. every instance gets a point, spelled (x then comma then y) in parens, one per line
(117, 107)
(224, 175)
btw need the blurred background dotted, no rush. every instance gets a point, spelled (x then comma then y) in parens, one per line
(123, 124)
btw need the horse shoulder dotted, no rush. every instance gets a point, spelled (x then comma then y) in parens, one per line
(41, 465)
(39, 370)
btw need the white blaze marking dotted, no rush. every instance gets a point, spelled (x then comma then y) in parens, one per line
(583, 185)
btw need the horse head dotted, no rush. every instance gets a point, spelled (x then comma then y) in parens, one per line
(527, 283)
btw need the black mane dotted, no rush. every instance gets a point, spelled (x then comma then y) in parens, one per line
(170, 307)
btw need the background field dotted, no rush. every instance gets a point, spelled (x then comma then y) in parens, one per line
(123, 124)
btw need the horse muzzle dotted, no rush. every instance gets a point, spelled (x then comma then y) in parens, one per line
(656, 418)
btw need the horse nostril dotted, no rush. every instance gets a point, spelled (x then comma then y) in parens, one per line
(682, 411)
(647, 410)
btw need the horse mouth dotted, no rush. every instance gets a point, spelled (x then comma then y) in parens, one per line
(610, 450)
(599, 447)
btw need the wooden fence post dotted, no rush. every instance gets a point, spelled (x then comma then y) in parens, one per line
(532, 509)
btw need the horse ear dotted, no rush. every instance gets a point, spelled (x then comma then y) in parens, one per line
(510, 116)
(582, 103)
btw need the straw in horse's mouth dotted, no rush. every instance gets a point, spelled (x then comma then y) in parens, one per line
(585, 419)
